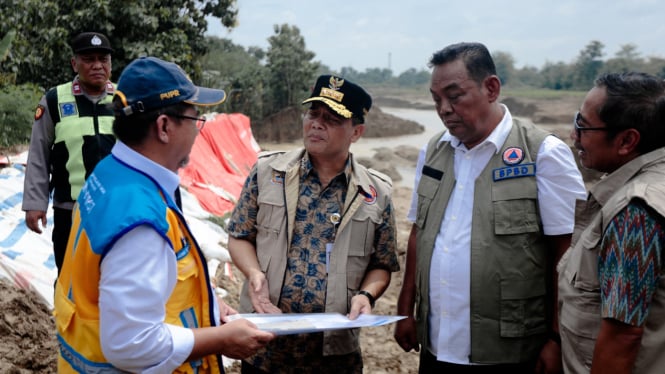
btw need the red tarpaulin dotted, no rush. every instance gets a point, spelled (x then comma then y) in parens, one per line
(222, 156)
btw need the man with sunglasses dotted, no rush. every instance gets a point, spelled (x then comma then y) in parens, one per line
(314, 231)
(134, 294)
(71, 133)
(611, 284)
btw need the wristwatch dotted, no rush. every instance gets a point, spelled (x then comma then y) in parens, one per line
(371, 298)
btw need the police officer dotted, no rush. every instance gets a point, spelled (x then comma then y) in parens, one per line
(71, 133)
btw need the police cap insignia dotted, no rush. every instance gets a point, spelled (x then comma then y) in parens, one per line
(87, 42)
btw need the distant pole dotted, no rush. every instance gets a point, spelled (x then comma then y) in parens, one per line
(389, 61)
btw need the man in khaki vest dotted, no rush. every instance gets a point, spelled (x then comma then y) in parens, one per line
(492, 209)
(611, 284)
(314, 231)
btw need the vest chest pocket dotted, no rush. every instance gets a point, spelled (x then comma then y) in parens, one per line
(186, 263)
(269, 222)
(427, 188)
(362, 226)
(583, 266)
(515, 206)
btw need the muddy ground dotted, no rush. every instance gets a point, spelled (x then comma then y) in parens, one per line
(28, 343)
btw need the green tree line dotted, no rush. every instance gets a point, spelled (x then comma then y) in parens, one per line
(34, 56)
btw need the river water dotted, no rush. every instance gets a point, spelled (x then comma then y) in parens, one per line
(365, 147)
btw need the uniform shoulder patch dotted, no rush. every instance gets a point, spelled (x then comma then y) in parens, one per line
(39, 112)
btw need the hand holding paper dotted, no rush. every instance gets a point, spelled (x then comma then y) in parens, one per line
(299, 323)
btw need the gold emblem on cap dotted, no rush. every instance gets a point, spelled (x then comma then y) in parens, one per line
(332, 92)
(336, 83)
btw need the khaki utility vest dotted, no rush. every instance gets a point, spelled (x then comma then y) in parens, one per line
(579, 287)
(509, 258)
(278, 185)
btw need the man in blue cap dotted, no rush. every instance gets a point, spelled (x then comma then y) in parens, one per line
(314, 231)
(71, 133)
(134, 293)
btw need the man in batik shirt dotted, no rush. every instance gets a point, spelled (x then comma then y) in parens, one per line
(313, 231)
(611, 289)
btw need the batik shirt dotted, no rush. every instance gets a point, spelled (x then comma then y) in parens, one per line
(630, 263)
(304, 287)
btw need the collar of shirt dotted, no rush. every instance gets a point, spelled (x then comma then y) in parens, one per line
(77, 90)
(306, 167)
(164, 177)
(497, 137)
(604, 189)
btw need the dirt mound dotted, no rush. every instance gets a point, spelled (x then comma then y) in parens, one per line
(544, 110)
(28, 343)
(286, 126)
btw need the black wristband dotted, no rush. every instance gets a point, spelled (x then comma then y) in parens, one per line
(369, 296)
(554, 336)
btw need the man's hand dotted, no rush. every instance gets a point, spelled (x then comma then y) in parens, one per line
(405, 334)
(359, 305)
(225, 309)
(32, 218)
(258, 293)
(549, 361)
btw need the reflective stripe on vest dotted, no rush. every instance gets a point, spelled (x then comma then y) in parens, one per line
(71, 130)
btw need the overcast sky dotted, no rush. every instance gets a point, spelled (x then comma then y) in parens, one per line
(404, 34)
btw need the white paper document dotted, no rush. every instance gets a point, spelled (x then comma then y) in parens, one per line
(299, 323)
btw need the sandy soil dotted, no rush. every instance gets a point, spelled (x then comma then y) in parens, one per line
(28, 343)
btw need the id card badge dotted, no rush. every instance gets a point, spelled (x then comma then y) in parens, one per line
(329, 247)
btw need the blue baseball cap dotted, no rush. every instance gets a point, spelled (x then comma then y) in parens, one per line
(149, 83)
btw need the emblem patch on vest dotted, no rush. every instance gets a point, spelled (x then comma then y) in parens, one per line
(277, 178)
(39, 112)
(517, 171)
(68, 109)
(370, 197)
(513, 155)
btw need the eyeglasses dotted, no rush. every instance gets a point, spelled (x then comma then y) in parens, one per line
(200, 120)
(579, 129)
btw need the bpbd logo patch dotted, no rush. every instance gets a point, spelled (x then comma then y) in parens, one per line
(513, 156)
